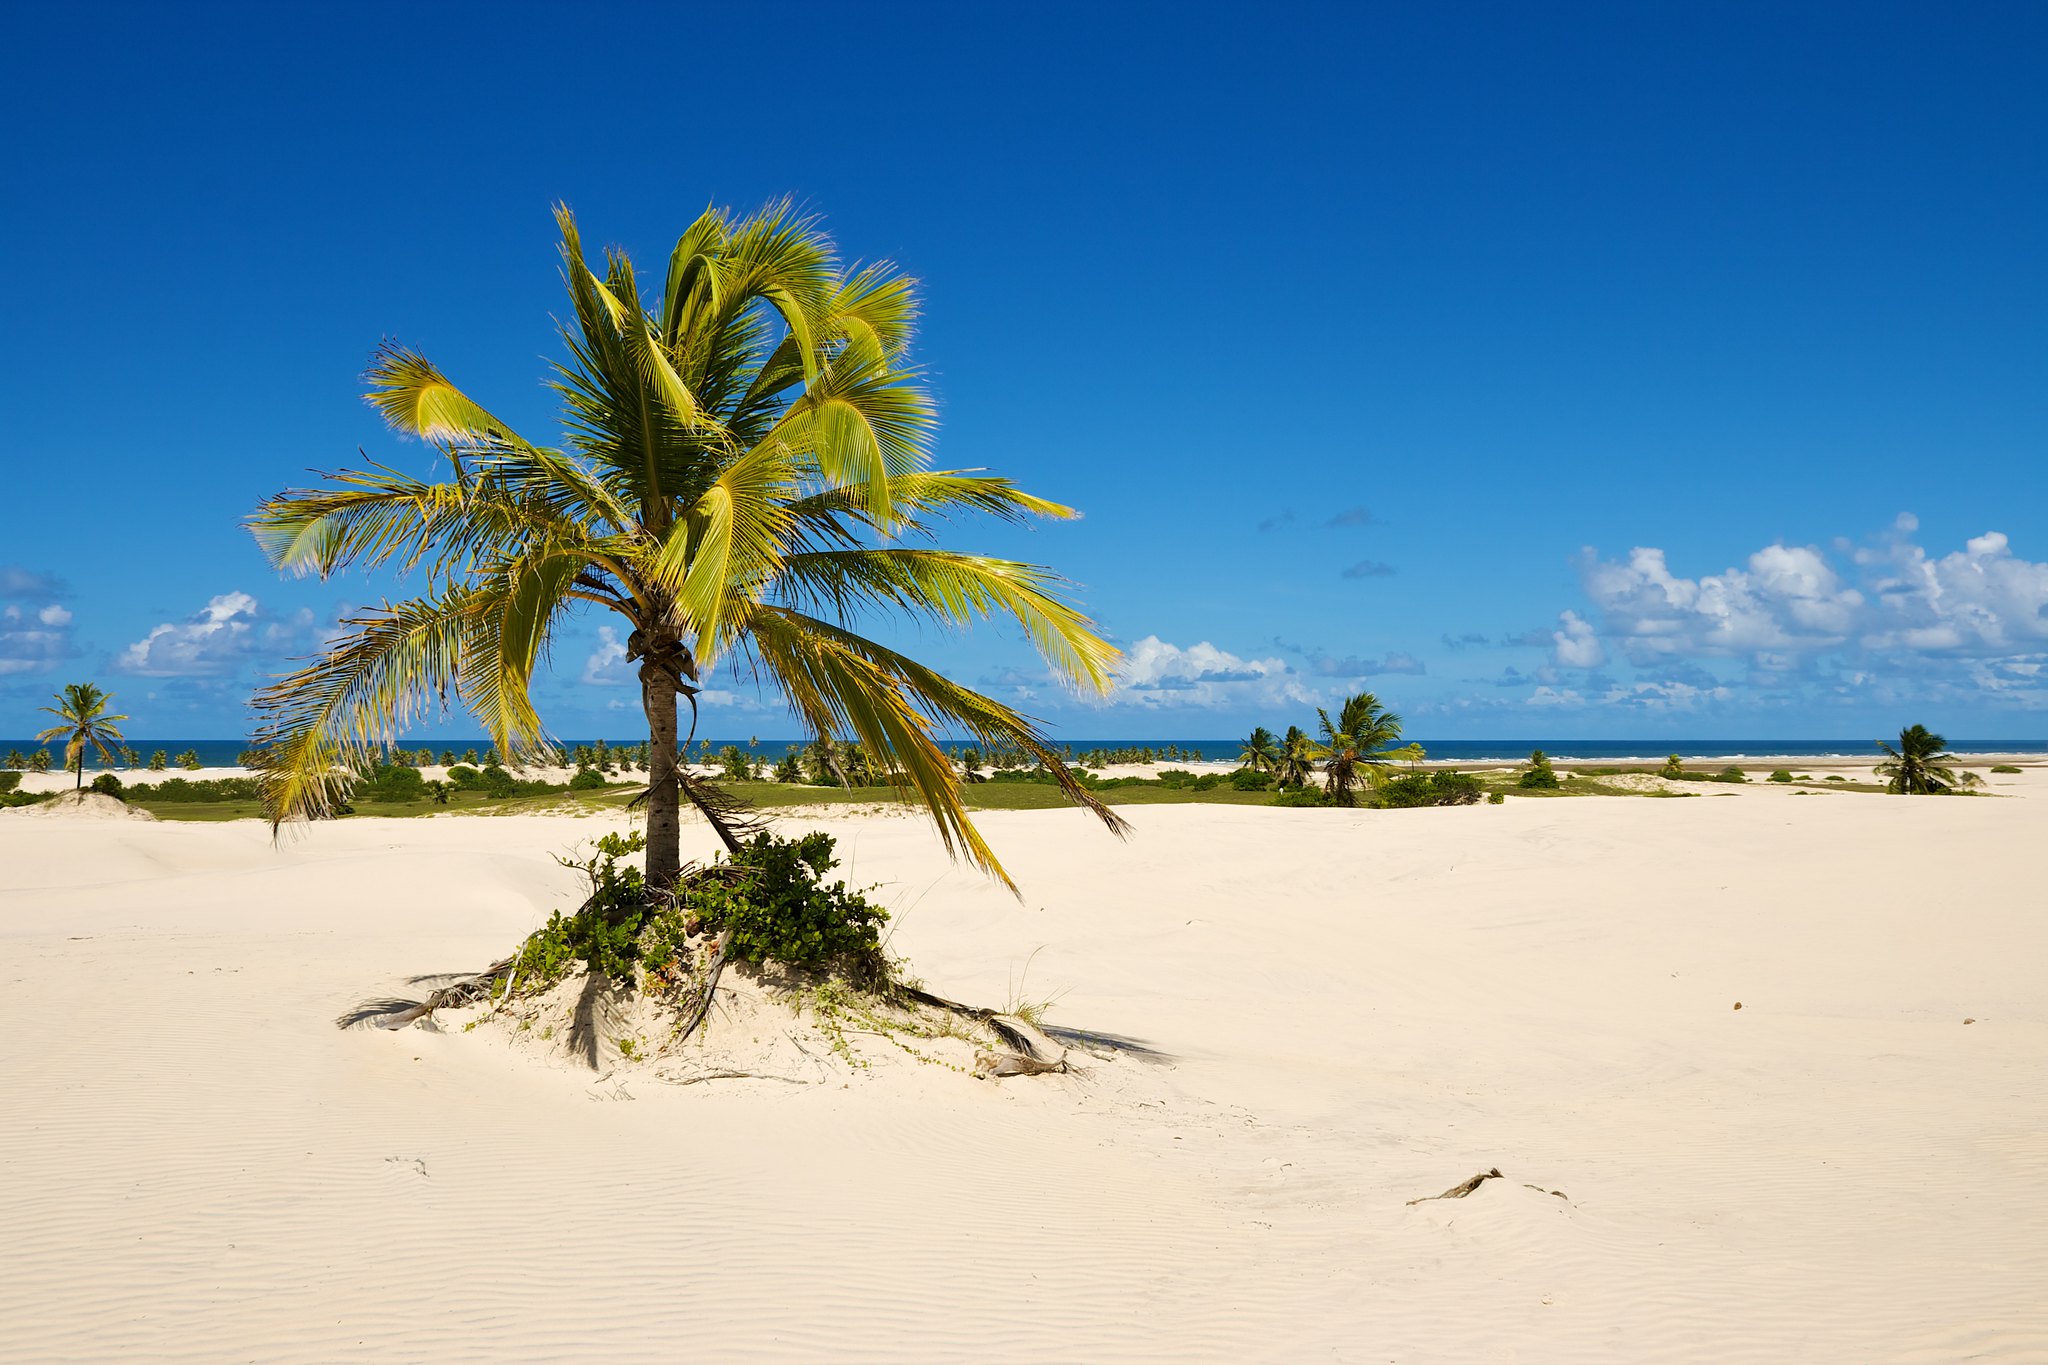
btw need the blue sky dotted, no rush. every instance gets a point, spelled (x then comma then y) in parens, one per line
(1552, 371)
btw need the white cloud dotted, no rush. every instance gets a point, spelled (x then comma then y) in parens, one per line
(606, 666)
(1576, 646)
(1788, 598)
(54, 615)
(207, 643)
(1160, 675)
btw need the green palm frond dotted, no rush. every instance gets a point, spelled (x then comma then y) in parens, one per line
(746, 449)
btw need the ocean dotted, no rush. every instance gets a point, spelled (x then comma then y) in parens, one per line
(224, 752)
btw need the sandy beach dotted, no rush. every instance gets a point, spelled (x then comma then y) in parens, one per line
(1350, 1010)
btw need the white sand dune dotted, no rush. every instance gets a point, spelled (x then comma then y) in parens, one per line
(1355, 1009)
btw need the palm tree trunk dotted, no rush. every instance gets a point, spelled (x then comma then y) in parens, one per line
(664, 793)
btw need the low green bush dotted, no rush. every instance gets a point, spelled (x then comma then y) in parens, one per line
(463, 775)
(107, 784)
(9, 781)
(586, 780)
(2004, 768)
(1441, 788)
(178, 789)
(1496, 798)
(774, 898)
(1542, 778)
(1729, 774)
(1837, 777)
(1782, 775)
(1303, 796)
(10, 799)
(392, 782)
(1251, 780)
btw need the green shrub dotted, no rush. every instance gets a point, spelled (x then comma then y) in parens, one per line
(392, 782)
(1837, 777)
(585, 780)
(108, 784)
(1175, 778)
(1782, 775)
(1251, 780)
(9, 781)
(1303, 796)
(773, 897)
(1729, 774)
(1496, 798)
(10, 799)
(1542, 778)
(179, 789)
(2004, 768)
(1442, 788)
(463, 775)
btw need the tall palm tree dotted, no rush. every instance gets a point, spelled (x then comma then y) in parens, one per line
(1918, 767)
(1354, 746)
(1261, 751)
(745, 475)
(1297, 758)
(81, 711)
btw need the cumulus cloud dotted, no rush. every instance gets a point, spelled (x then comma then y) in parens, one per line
(1791, 603)
(1354, 666)
(1158, 675)
(1369, 568)
(229, 629)
(606, 666)
(1574, 643)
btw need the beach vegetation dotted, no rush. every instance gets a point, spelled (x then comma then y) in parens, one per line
(1440, 788)
(1355, 746)
(746, 473)
(189, 761)
(1260, 752)
(2005, 768)
(1251, 780)
(83, 722)
(16, 760)
(1496, 798)
(1919, 765)
(1781, 775)
(1539, 775)
(108, 784)
(9, 781)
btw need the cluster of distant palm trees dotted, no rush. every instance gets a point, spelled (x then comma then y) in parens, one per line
(1356, 749)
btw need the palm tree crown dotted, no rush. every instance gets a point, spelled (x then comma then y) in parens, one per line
(81, 711)
(1261, 751)
(746, 476)
(1918, 767)
(1354, 745)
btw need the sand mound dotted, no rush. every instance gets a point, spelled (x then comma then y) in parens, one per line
(83, 806)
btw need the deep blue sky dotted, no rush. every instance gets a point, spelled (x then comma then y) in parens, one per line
(1379, 346)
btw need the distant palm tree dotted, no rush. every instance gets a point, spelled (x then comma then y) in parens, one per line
(81, 710)
(1261, 751)
(1354, 746)
(746, 480)
(1297, 758)
(1918, 767)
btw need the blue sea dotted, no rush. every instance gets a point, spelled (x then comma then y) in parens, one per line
(223, 752)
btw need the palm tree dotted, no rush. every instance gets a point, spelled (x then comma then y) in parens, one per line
(1261, 751)
(1918, 767)
(745, 475)
(1354, 746)
(81, 711)
(1297, 758)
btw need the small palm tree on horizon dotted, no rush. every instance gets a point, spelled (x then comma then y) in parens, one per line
(81, 710)
(1355, 746)
(1297, 761)
(1918, 766)
(1261, 752)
